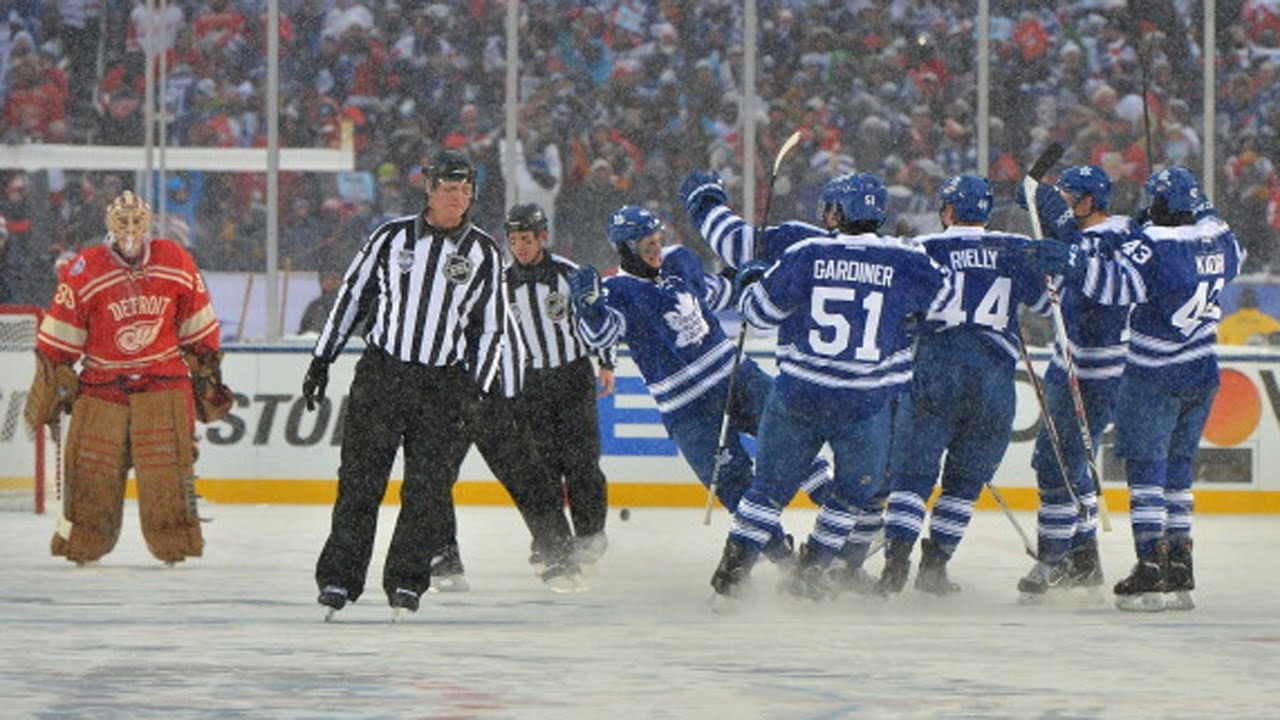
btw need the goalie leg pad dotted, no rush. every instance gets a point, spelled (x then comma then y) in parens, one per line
(97, 464)
(163, 457)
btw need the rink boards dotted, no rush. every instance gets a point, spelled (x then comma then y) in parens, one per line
(271, 450)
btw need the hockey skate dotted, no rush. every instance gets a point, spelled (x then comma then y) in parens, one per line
(560, 571)
(1179, 578)
(854, 580)
(897, 566)
(447, 571)
(931, 577)
(1044, 576)
(1085, 568)
(333, 598)
(730, 578)
(808, 578)
(1143, 590)
(587, 551)
(781, 551)
(404, 603)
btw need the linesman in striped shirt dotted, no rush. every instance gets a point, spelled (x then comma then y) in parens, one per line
(431, 288)
(559, 396)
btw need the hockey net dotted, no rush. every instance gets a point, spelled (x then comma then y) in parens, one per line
(22, 452)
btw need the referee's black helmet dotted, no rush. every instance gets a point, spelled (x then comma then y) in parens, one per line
(525, 217)
(450, 165)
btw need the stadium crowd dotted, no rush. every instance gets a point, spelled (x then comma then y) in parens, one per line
(619, 100)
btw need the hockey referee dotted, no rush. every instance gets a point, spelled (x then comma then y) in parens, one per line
(431, 288)
(559, 397)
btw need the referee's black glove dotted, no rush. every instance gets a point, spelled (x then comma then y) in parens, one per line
(314, 383)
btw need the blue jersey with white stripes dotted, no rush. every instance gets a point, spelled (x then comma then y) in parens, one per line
(669, 325)
(735, 241)
(840, 305)
(1174, 276)
(1095, 331)
(992, 273)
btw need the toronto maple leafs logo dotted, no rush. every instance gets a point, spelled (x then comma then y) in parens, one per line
(686, 321)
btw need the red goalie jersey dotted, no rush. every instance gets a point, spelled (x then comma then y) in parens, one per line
(129, 324)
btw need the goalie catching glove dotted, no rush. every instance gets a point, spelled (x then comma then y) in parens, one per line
(53, 391)
(213, 398)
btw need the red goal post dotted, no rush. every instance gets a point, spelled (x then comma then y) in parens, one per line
(22, 452)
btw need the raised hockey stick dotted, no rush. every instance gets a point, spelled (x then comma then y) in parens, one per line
(1026, 541)
(63, 527)
(722, 449)
(1041, 166)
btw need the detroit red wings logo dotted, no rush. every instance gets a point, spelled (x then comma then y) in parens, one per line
(133, 338)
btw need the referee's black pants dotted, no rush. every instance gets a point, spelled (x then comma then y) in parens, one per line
(505, 441)
(394, 403)
(560, 404)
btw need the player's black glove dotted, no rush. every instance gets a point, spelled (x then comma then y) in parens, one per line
(314, 383)
(702, 187)
(750, 272)
(586, 294)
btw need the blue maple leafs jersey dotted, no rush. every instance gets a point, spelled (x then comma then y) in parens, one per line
(1095, 330)
(1173, 276)
(735, 241)
(992, 273)
(840, 304)
(669, 325)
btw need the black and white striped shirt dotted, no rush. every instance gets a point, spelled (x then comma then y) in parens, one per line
(539, 295)
(433, 297)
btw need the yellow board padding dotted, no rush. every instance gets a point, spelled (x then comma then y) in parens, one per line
(489, 492)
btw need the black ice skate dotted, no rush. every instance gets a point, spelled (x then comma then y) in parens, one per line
(560, 571)
(333, 598)
(588, 549)
(1044, 576)
(730, 578)
(1085, 567)
(781, 551)
(404, 603)
(447, 572)
(1143, 590)
(931, 577)
(1179, 578)
(807, 579)
(897, 566)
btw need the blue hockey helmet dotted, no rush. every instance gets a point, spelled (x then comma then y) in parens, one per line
(1091, 180)
(631, 223)
(1178, 189)
(858, 196)
(970, 196)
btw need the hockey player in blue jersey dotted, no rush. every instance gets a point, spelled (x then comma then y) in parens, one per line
(962, 397)
(840, 303)
(1067, 535)
(1172, 267)
(661, 304)
(738, 243)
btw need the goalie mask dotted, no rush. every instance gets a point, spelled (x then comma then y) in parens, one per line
(128, 226)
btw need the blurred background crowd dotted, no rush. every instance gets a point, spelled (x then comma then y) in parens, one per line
(619, 99)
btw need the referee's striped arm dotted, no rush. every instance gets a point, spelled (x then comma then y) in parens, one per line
(434, 300)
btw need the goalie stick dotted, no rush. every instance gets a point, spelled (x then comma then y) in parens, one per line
(722, 446)
(63, 527)
(1051, 155)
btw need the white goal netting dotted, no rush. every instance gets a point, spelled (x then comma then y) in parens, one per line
(22, 452)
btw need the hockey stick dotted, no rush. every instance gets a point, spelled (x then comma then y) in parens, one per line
(1041, 166)
(1026, 541)
(1050, 425)
(722, 448)
(63, 527)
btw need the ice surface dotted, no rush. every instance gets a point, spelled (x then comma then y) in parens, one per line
(238, 633)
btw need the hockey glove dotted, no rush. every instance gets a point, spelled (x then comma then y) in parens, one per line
(702, 188)
(585, 291)
(53, 392)
(1055, 257)
(750, 272)
(315, 382)
(213, 399)
(1056, 217)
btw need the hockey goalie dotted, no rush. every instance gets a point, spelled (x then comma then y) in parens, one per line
(135, 314)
